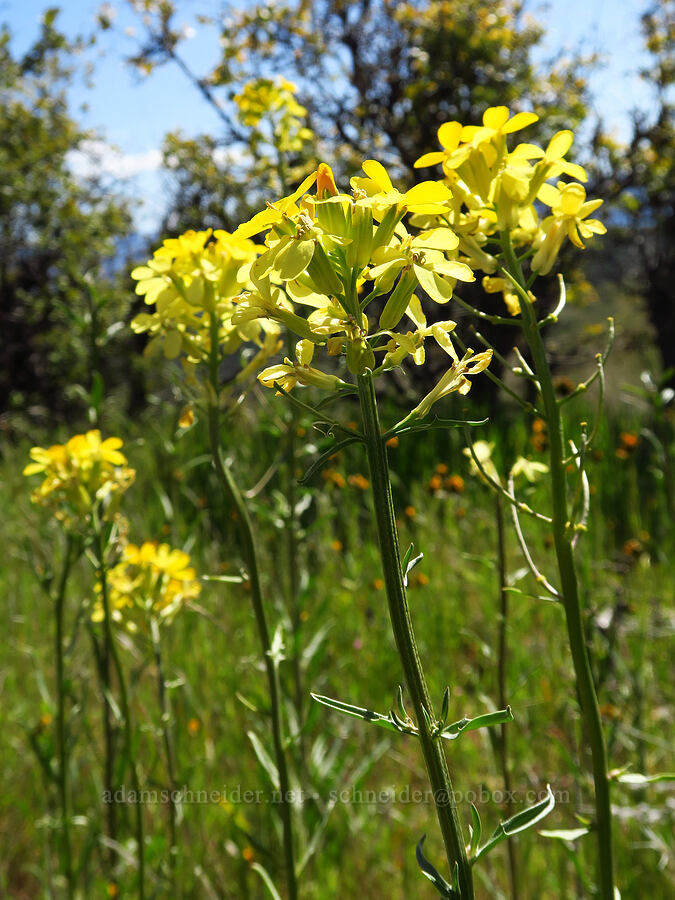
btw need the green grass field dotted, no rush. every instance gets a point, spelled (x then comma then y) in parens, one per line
(358, 816)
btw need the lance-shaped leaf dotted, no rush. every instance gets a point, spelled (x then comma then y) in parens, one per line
(636, 779)
(565, 834)
(499, 717)
(323, 459)
(267, 880)
(367, 715)
(409, 562)
(525, 819)
(264, 759)
(434, 876)
(476, 831)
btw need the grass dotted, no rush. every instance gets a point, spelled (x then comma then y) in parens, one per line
(217, 683)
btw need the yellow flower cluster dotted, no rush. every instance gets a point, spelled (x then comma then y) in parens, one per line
(496, 190)
(191, 280)
(80, 474)
(322, 249)
(327, 255)
(272, 103)
(151, 581)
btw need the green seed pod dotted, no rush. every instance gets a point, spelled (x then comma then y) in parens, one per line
(361, 247)
(359, 356)
(322, 273)
(399, 299)
(385, 229)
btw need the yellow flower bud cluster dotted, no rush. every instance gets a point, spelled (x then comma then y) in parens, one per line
(497, 190)
(190, 280)
(323, 249)
(270, 104)
(150, 581)
(83, 473)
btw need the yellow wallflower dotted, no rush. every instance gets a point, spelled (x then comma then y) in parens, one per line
(151, 580)
(84, 471)
(189, 280)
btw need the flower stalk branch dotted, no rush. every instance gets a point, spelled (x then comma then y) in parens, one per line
(99, 550)
(569, 586)
(250, 555)
(432, 750)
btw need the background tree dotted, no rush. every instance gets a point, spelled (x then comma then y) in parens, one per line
(638, 179)
(57, 235)
(376, 77)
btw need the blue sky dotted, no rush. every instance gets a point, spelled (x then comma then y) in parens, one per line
(133, 114)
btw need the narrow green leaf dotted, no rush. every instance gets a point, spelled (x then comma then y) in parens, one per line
(264, 759)
(223, 579)
(565, 834)
(637, 779)
(399, 699)
(406, 557)
(499, 717)
(367, 715)
(410, 563)
(476, 830)
(445, 705)
(267, 879)
(525, 819)
(318, 464)
(434, 876)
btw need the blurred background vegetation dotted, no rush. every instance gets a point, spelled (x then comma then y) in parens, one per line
(375, 79)
(384, 76)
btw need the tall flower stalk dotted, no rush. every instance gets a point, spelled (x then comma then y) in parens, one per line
(125, 710)
(564, 539)
(401, 623)
(169, 753)
(498, 193)
(502, 680)
(270, 656)
(321, 251)
(61, 729)
(83, 481)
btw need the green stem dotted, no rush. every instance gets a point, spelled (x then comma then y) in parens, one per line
(124, 707)
(399, 613)
(502, 658)
(292, 554)
(569, 584)
(165, 712)
(61, 719)
(250, 555)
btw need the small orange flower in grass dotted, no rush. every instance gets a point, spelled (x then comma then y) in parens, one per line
(112, 889)
(632, 547)
(336, 545)
(393, 441)
(628, 440)
(359, 481)
(248, 854)
(442, 469)
(455, 483)
(435, 483)
(193, 726)
(378, 584)
(330, 476)
(410, 512)
(421, 579)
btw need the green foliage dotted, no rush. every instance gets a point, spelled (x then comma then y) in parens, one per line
(211, 657)
(57, 234)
